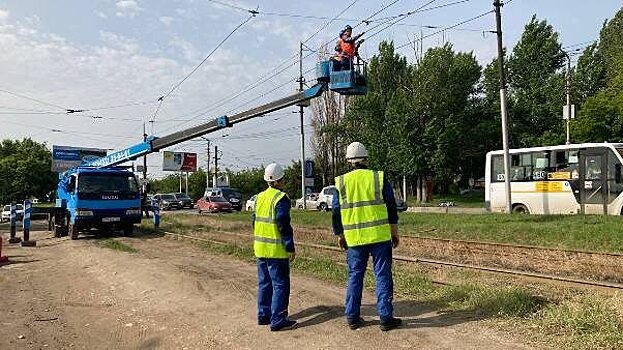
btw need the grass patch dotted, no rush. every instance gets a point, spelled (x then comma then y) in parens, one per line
(116, 245)
(581, 322)
(585, 232)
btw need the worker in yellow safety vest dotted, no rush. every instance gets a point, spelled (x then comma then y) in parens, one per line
(365, 220)
(274, 249)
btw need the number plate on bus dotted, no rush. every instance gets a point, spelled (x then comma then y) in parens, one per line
(111, 219)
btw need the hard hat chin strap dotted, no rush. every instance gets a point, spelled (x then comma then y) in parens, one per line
(357, 160)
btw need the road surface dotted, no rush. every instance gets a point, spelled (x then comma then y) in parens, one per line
(173, 295)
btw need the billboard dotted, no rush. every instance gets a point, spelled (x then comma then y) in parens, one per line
(179, 161)
(66, 157)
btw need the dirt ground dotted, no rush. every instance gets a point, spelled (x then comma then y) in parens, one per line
(173, 295)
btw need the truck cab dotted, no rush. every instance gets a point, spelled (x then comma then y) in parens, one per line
(91, 198)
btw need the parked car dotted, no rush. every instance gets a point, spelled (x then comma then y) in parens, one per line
(213, 204)
(6, 213)
(311, 199)
(166, 201)
(250, 204)
(231, 194)
(185, 201)
(325, 198)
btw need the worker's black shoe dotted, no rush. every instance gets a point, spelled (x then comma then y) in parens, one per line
(263, 321)
(286, 325)
(390, 324)
(356, 323)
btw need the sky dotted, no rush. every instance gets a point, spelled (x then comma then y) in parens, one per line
(115, 58)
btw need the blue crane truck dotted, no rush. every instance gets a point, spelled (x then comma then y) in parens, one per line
(97, 198)
(100, 194)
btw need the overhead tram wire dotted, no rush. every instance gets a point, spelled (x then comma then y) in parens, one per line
(446, 28)
(268, 78)
(161, 99)
(332, 20)
(398, 18)
(33, 99)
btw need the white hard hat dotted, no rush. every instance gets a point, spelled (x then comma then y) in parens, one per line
(273, 172)
(356, 151)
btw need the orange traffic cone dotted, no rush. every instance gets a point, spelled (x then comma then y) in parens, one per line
(2, 258)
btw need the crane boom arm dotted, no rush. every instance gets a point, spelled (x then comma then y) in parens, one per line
(156, 144)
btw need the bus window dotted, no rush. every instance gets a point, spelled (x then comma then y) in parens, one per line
(593, 168)
(497, 168)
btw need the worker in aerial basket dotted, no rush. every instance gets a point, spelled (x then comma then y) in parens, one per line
(346, 48)
(365, 220)
(274, 249)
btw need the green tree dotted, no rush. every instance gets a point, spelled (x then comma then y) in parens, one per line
(590, 74)
(537, 87)
(445, 84)
(25, 170)
(601, 116)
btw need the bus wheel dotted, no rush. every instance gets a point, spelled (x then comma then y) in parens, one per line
(520, 209)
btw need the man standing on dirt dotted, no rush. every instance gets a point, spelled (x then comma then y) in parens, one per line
(365, 220)
(274, 249)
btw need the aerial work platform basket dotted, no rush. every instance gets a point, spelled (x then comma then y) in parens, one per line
(345, 82)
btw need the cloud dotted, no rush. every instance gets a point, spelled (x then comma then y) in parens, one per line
(101, 15)
(4, 14)
(166, 20)
(127, 8)
(187, 49)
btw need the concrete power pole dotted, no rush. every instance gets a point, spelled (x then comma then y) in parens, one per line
(145, 156)
(208, 168)
(301, 112)
(507, 179)
(215, 166)
(568, 115)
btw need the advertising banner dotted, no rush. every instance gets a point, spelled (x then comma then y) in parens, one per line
(179, 161)
(66, 157)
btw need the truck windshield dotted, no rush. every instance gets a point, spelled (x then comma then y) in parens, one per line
(97, 184)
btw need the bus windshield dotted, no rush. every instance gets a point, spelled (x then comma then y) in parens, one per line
(97, 184)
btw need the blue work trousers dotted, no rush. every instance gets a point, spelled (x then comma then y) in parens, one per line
(273, 294)
(357, 258)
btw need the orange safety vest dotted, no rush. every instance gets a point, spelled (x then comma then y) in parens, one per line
(348, 49)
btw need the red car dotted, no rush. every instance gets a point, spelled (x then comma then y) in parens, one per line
(213, 204)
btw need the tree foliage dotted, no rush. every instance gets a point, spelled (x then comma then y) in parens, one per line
(25, 170)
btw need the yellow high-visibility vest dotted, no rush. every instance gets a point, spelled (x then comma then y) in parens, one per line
(363, 211)
(268, 242)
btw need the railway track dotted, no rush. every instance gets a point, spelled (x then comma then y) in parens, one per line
(421, 260)
(511, 246)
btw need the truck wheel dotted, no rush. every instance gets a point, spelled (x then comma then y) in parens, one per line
(56, 230)
(73, 231)
(128, 230)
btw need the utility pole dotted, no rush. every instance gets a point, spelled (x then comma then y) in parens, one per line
(568, 109)
(180, 181)
(208, 166)
(507, 178)
(301, 112)
(145, 156)
(186, 183)
(215, 166)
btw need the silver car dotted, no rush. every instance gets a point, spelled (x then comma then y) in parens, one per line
(6, 212)
(311, 199)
